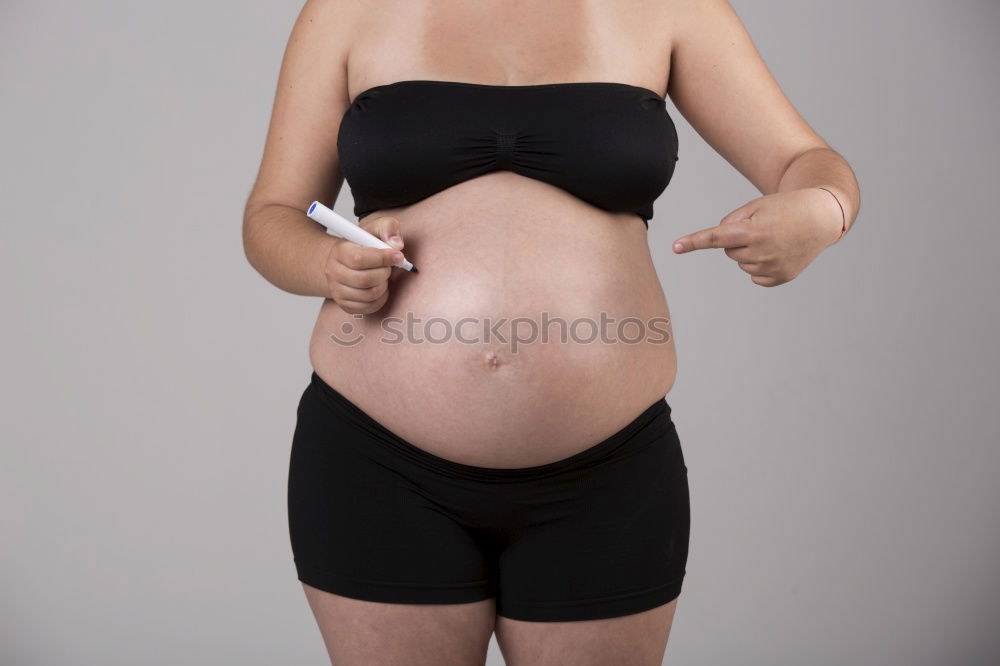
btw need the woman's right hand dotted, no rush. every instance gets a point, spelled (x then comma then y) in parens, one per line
(357, 277)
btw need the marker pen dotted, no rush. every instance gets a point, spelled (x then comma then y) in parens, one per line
(336, 225)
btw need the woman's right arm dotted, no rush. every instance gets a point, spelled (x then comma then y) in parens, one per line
(300, 162)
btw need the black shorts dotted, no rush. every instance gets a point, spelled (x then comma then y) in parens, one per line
(598, 534)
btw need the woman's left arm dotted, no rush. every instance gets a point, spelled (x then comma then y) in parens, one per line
(721, 85)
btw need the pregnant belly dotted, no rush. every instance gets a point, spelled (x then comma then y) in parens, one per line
(535, 328)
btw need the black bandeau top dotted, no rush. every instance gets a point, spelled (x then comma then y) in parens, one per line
(613, 145)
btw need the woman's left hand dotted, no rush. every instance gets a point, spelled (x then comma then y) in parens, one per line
(773, 237)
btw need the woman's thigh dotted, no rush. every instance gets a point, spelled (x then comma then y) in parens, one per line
(370, 633)
(639, 639)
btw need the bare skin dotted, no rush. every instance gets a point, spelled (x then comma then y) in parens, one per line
(502, 245)
(364, 632)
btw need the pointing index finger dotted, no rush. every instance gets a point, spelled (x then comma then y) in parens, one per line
(719, 236)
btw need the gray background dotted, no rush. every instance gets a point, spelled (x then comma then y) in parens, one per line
(840, 431)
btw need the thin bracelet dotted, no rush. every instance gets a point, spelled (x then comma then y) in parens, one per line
(843, 229)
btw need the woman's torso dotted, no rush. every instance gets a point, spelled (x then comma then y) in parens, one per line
(502, 246)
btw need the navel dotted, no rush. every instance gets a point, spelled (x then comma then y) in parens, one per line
(492, 360)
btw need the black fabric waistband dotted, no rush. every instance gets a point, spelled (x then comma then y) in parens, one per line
(656, 413)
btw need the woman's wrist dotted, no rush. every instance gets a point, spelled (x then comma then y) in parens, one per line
(325, 247)
(842, 229)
